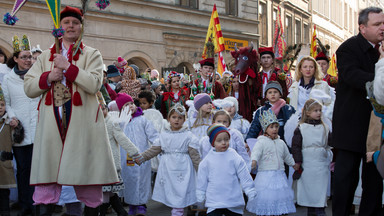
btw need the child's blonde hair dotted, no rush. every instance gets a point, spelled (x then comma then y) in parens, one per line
(222, 112)
(199, 119)
(309, 106)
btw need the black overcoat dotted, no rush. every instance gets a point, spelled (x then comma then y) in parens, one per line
(356, 59)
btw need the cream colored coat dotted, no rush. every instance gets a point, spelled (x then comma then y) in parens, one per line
(85, 157)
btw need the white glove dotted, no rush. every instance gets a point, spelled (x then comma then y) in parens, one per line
(125, 117)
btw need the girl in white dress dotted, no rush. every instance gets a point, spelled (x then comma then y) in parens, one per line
(274, 195)
(175, 184)
(310, 149)
(200, 114)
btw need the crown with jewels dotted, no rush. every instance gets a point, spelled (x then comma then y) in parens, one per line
(266, 118)
(1, 94)
(22, 45)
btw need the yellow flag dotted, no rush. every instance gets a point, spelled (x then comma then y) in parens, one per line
(332, 70)
(214, 34)
(314, 43)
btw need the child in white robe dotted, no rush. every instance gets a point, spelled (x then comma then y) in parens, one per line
(175, 184)
(137, 179)
(310, 149)
(222, 176)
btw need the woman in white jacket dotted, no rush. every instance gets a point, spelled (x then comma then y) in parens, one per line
(308, 77)
(21, 109)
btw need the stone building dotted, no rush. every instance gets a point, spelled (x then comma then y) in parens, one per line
(149, 33)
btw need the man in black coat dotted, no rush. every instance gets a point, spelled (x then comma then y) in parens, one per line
(356, 60)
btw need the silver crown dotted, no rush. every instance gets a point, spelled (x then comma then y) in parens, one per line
(266, 118)
(178, 106)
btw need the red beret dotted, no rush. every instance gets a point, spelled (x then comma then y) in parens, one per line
(322, 56)
(208, 62)
(266, 50)
(73, 12)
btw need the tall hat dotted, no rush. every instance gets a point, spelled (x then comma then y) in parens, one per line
(72, 12)
(267, 118)
(208, 62)
(22, 45)
(266, 50)
(1, 94)
(322, 56)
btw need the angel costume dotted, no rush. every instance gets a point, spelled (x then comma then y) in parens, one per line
(176, 179)
(137, 179)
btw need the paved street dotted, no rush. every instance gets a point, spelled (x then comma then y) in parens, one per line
(158, 209)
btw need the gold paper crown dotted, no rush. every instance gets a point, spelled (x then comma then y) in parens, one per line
(18, 46)
(266, 118)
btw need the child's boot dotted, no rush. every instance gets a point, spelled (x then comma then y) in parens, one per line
(177, 212)
(141, 210)
(132, 210)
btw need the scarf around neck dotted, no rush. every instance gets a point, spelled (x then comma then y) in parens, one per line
(309, 85)
(21, 73)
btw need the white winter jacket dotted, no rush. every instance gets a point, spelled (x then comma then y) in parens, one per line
(20, 106)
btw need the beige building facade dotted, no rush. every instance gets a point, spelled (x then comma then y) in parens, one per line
(151, 34)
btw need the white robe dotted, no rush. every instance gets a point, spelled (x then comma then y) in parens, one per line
(137, 179)
(175, 184)
(221, 178)
(312, 185)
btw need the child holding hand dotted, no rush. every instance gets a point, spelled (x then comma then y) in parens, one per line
(310, 149)
(176, 178)
(274, 195)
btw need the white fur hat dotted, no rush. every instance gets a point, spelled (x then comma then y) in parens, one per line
(234, 101)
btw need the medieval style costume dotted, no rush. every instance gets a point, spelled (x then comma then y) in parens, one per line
(71, 144)
(168, 99)
(204, 85)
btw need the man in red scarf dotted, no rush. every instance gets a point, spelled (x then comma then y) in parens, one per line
(269, 72)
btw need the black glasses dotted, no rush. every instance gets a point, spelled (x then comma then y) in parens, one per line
(25, 57)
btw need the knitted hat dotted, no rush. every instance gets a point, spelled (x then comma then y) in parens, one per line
(137, 71)
(121, 62)
(112, 71)
(72, 12)
(1, 94)
(214, 130)
(266, 50)
(234, 101)
(200, 100)
(155, 84)
(208, 62)
(276, 85)
(122, 99)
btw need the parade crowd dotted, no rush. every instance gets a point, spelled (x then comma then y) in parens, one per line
(79, 133)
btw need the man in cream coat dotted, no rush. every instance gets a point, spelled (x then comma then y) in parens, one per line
(71, 143)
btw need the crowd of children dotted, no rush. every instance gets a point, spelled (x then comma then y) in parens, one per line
(200, 152)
